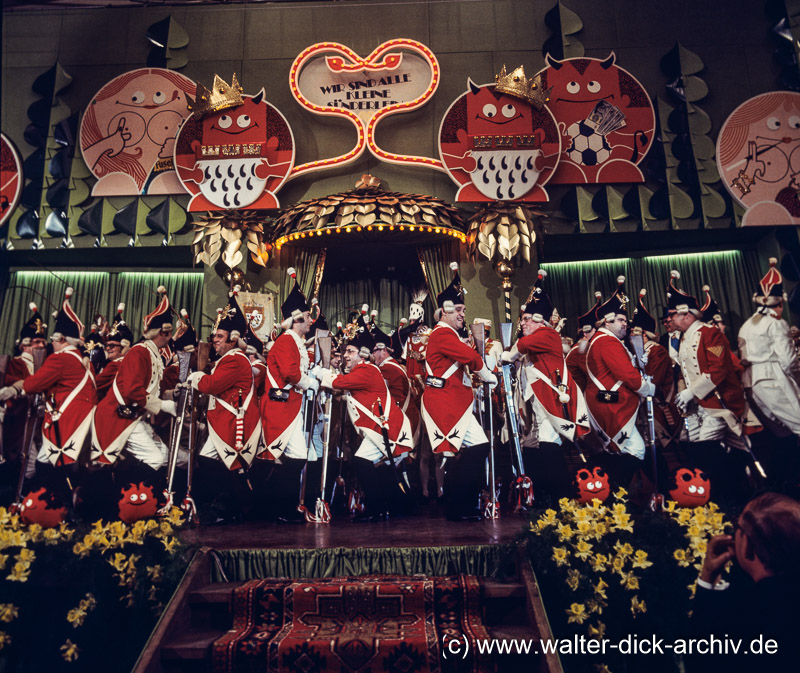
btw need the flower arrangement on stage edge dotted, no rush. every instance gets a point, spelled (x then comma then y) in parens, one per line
(610, 572)
(76, 594)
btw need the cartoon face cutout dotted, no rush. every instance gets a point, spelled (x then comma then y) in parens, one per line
(692, 488)
(758, 158)
(137, 502)
(592, 484)
(39, 507)
(498, 147)
(127, 135)
(605, 117)
(235, 158)
(10, 178)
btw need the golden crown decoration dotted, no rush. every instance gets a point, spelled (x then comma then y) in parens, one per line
(221, 97)
(517, 84)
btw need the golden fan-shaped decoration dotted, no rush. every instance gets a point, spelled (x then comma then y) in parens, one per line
(221, 235)
(503, 231)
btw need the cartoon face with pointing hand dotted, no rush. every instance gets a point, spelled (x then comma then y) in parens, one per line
(128, 132)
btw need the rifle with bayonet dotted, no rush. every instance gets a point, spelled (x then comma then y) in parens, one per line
(196, 404)
(637, 342)
(492, 510)
(183, 396)
(523, 484)
(33, 420)
(322, 509)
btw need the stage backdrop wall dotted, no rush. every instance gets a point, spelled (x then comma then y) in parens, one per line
(96, 292)
(732, 275)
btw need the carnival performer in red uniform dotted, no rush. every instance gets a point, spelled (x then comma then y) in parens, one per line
(118, 342)
(558, 404)
(122, 421)
(453, 430)
(713, 402)
(615, 388)
(234, 427)
(282, 419)
(576, 357)
(32, 338)
(396, 378)
(373, 411)
(67, 384)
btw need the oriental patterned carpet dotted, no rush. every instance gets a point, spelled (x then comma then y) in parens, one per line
(353, 625)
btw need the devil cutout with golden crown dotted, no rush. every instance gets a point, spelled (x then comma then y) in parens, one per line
(235, 151)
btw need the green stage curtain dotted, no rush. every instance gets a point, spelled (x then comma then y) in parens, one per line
(435, 261)
(304, 261)
(390, 297)
(732, 276)
(95, 292)
(238, 565)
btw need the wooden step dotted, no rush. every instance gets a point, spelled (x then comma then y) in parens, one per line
(194, 645)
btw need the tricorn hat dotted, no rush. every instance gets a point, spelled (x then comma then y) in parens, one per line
(679, 301)
(232, 319)
(161, 318)
(453, 294)
(186, 338)
(710, 309)
(770, 287)
(34, 328)
(67, 322)
(119, 331)
(295, 304)
(539, 306)
(615, 305)
(587, 320)
(642, 317)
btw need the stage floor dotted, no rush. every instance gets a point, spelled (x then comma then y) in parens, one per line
(426, 528)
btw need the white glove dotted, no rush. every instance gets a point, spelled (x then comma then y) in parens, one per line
(486, 376)
(8, 393)
(316, 371)
(683, 399)
(313, 384)
(647, 389)
(513, 355)
(305, 382)
(169, 407)
(326, 378)
(193, 379)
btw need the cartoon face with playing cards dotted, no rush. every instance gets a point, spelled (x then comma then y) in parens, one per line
(605, 117)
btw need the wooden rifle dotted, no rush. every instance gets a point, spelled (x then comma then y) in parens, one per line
(637, 342)
(322, 508)
(183, 396)
(523, 484)
(34, 416)
(492, 506)
(309, 420)
(196, 403)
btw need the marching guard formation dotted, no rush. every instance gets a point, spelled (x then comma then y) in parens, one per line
(319, 424)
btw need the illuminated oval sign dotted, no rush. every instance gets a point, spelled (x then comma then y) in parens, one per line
(331, 79)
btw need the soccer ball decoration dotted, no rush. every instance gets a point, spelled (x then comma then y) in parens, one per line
(587, 147)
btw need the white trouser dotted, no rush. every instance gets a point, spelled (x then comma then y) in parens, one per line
(145, 445)
(703, 427)
(296, 447)
(474, 434)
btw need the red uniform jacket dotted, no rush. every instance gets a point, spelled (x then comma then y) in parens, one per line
(447, 411)
(137, 382)
(366, 386)
(233, 419)
(609, 362)
(576, 363)
(106, 377)
(709, 366)
(400, 387)
(259, 376)
(546, 356)
(285, 363)
(69, 393)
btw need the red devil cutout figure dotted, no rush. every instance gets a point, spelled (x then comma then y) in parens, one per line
(40, 507)
(692, 488)
(137, 502)
(592, 485)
